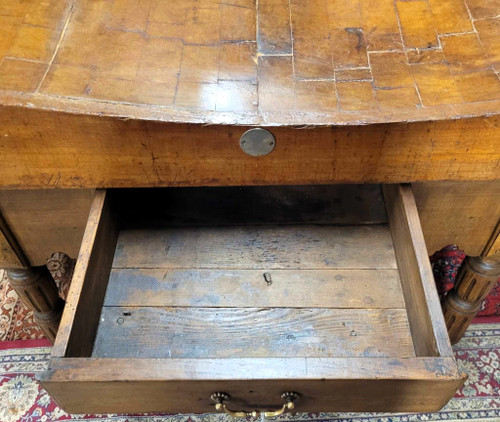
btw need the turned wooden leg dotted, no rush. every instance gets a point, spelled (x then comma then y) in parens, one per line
(476, 278)
(38, 291)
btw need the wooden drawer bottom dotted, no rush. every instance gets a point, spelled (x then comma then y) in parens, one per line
(166, 308)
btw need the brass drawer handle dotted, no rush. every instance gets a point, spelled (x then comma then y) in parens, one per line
(219, 398)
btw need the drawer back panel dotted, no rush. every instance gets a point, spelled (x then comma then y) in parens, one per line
(251, 205)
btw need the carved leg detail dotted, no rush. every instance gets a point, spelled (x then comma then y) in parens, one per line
(476, 278)
(38, 291)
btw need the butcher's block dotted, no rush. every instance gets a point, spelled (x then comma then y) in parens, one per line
(323, 291)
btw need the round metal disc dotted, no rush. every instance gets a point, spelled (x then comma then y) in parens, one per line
(257, 142)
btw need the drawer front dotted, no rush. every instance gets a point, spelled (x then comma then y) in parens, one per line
(104, 152)
(169, 336)
(319, 395)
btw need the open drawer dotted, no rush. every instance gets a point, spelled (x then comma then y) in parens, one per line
(253, 292)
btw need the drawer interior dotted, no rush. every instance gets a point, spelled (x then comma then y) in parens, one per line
(249, 272)
(254, 291)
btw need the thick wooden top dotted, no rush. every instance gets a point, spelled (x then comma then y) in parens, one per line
(253, 62)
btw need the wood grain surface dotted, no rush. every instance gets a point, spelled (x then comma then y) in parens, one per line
(417, 281)
(46, 221)
(257, 247)
(270, 62)
(8, 256)
(225, 308)
(153, 332)
(11, 254)
(460, 213)
(185, 385)
(78, 326)
(248, 288)
(317, 395)
(361, 333)
(45, 150)
(492, 247)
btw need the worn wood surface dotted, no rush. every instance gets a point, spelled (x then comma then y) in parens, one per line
(86, 295)
(419, 289)
(461, 213)
(153, 332)
(41, 149)
(257, 247)
(492, 247)
(211, 325)
(46, 221)
(267, 62)
(383, 395)
(8, 256)
(184, 385)
(11, 254)
(96, 369)
(450, 212)
(81, 383)
(248, 288)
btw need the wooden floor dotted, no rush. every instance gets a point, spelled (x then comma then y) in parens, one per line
(202, 293)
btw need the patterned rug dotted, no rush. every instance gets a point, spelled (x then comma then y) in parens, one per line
(16, 320)
(478, 354)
